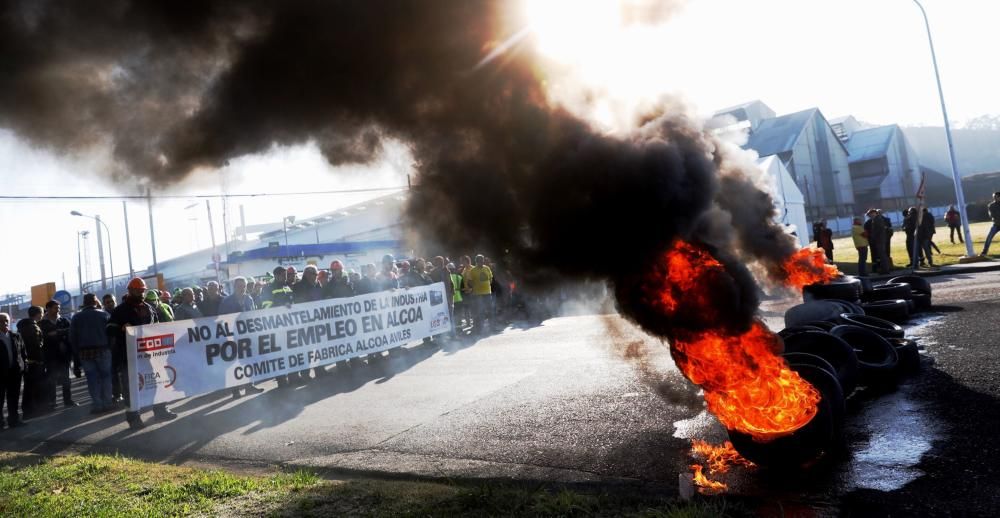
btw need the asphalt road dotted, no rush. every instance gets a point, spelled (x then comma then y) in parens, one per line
(587, 399)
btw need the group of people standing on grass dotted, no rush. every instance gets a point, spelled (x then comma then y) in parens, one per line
(874, 238)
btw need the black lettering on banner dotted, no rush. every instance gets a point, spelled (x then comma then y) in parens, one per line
(229, 350)
(197, 334)
(220, 330)
(266, 344)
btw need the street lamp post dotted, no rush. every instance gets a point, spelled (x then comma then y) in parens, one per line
(100, 247)
(284, 228)
(79, 260)
(959, 192)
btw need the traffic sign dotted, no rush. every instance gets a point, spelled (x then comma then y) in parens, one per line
(63, 297)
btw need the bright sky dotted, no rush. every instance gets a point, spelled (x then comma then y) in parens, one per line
(868, 58)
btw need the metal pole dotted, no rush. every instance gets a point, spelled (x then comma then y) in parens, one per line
(111, 256)
(100, 252)
(211, 232)
(152, 235)
(79, 263)
(128, 241)
(243, 223)
(959, 193)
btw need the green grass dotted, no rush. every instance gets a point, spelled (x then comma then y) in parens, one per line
(112, 486)
(846, 256)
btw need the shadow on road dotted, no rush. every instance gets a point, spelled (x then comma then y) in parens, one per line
(212, 415)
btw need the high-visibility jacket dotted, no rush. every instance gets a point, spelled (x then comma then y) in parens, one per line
(456, 282)
(480, 278)
(276, 294)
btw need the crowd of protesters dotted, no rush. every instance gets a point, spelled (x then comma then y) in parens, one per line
(873, 238)
(40, 351)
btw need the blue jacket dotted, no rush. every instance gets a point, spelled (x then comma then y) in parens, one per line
(87, 330)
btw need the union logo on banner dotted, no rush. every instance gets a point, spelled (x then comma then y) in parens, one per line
(155, 343)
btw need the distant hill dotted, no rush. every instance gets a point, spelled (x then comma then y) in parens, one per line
(977, 150)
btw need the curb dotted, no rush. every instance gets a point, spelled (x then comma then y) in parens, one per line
(944, 270)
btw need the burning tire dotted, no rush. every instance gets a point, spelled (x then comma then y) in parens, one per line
(916, 282)
(909, 356)
(891, 291)
(878, 325)
(877, 358)
(838, 353)
(845, 289)
(808, 443)
(893, 310)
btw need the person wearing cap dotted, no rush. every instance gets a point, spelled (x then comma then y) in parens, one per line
(307, 289)
(291, 276)
(994, 211)
(89, 342)
(338, 284)
(12, 363)
(163, 311)
(277, 293)
(34, 400)
(186, 309)
(133, 311)
(58, 353)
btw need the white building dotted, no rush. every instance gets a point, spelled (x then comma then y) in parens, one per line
(788, 199)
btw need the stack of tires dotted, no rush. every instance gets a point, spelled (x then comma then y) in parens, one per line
(844, 336)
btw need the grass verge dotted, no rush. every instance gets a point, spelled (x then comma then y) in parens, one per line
(845, 256)
(101, 485)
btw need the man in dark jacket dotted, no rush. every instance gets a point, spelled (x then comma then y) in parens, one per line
(213, 297)
(925, 233)
(910, 229)
(88, 338)
(58, 355)
(34, 398)
(875, 226)
(12, 359)
(277, 293)
(187, 309)
(994, 211)
(338, 285)
(308, 289)
(133, 311)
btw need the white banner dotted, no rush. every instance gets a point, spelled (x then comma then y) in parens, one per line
(175, 360)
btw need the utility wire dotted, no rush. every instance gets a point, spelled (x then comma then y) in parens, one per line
(195, 196)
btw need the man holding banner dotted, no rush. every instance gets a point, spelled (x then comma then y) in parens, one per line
(134, 311)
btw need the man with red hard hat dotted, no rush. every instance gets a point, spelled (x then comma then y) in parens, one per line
(133, 311)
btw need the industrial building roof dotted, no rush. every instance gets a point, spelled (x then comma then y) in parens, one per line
(779, 134)
(312, 250)
(870, 144)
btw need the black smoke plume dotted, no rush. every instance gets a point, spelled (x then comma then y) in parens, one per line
(173, 86)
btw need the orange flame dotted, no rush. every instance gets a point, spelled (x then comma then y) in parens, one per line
(747, 385)
(705, 485)
(808, 266)
(719, 459)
